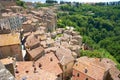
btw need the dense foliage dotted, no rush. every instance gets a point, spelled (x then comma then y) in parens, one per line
(51, 1)
(21, 3)
(99, 25)
(38, 5)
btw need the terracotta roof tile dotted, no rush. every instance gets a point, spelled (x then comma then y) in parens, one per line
(26, 70)
(50, 49)
(42, 37)
(114, 73)
(31, 41)
(64, 55)
(96, 67)
(86, 66)
(6, 60)
(49, 63)
(35, 52)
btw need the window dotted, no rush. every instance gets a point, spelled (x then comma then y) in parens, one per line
(40, 65)
(16, 71)
(76, 64)
(86, 79)
(119, 75)
(78, 74)
(26, 71)
(58, 75)
(86, 70)
(51, 59)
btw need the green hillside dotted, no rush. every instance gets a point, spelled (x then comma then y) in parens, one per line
(99, 26)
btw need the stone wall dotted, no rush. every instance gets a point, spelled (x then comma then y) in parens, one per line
(10, 24)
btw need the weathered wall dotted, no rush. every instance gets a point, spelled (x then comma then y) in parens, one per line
(11, 24)
(80, 76)
(67, 70)
(13, 51)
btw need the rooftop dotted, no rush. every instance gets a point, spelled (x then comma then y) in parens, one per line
(49, 63)
(85, 66)
(26, 70)
(93, 67)
(115, 73)
(64, 55)
(35, 52)
(5, 74)
(9, 39)
(7, 60)
(50, 49)
(31, 40)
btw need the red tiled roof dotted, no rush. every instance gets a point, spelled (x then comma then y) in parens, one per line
(6, 60)
(49, 63)
(114, 73)
(31, 41)
(96, 67)
(64, 55)
(50, 49)
(35, 52)
(26, 70)
(93, 70)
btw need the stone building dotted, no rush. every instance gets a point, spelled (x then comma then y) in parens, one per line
(114, 74)
(29, 71)
(10, 45)
(9, 64)
(11, 24)
(66, 61)
(34, 54)
(33, 48)
(50, 63)
(92, 69)
(4, 26)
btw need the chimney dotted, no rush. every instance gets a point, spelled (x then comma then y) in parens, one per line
(35, 70)
(100, 59)
(33, 64)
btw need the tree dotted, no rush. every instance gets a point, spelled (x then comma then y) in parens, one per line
(51, 1)
(98, 24)
(21, 3)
